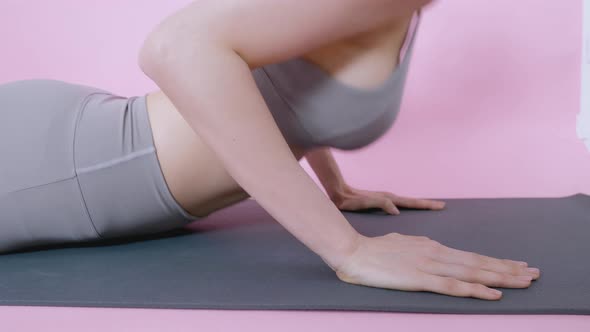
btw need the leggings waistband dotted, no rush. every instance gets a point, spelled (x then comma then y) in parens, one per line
(119, 174)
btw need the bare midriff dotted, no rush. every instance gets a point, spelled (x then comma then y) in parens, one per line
(195, 176)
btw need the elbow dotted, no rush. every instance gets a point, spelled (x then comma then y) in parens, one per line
(163, 49)
(182, 36)
(165, 53)
(165, 57)
(151, 54)
(174, 43)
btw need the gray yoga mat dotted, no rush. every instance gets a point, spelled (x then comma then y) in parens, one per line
(241, 258)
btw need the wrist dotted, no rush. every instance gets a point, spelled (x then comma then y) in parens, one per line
(337, 190)
(336, 260)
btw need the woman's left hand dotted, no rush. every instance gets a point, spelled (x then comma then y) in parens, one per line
(351, 199)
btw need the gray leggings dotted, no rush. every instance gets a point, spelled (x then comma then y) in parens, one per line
(78, 163)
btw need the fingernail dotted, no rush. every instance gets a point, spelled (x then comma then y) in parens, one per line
(533, 270)
(495, 291)
(524, 278)
(523, 263)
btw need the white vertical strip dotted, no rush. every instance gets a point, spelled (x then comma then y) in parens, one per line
(583, 126)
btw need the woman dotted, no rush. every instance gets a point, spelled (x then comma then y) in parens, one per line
(247, 89)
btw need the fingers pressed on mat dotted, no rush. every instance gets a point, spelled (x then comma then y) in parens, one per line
(454, 287)
(455, 256)
(414, 203)
(475, 275)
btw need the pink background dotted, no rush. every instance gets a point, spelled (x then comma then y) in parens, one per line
(489, 111)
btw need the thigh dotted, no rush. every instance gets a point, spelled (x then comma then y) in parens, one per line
(46, 214)
(40, 201)
(37, 124)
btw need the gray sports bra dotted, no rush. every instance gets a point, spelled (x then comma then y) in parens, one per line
(313, 109)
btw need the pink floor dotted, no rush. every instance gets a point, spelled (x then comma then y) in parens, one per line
(147, 320)
(489, 111)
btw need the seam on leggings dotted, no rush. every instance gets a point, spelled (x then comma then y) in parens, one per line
(78, 116)
(115, 161)
(38, 185)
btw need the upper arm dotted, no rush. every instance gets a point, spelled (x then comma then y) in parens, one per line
(269, 31)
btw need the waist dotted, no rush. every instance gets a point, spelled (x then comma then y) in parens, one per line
(118, 169)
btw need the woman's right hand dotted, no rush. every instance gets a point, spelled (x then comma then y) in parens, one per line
(417, 263)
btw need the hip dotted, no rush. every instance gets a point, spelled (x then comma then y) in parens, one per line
(78, 163)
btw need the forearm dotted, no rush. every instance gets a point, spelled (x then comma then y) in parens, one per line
(226, 109)
(201, 57)
(325, 167)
